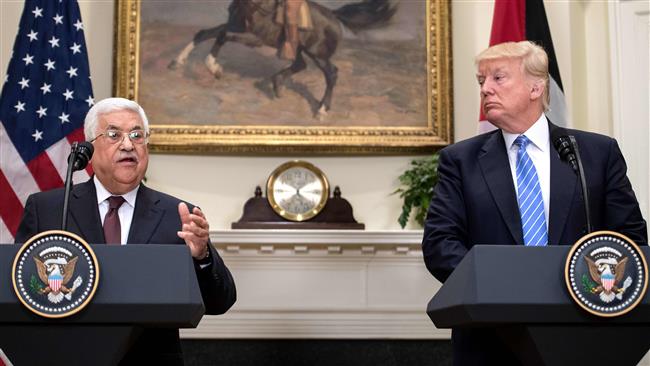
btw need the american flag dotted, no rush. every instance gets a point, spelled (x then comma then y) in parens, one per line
(46, 94)
(4, 361)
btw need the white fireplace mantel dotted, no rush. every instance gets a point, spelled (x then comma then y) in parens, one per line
(323, 284)
(378, 237)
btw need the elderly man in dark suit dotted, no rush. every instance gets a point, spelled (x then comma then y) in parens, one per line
(114, 207)
(509, 186)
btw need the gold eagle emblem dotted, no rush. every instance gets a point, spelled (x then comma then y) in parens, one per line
(608, 274)
(56, 276)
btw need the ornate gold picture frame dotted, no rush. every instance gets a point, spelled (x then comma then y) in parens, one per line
(393, 92)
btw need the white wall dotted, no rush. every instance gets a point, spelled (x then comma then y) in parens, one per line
(221, 184)
(630, 58)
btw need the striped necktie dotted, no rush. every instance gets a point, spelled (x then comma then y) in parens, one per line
(531, 203)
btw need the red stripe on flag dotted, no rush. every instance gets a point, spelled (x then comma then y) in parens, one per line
(11, 210)
(45, 173)
(4, 360)
(509, 21)
(78, 135)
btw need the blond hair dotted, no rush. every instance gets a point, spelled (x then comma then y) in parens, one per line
(534, 61)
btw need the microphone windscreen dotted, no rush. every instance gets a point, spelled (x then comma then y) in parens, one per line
(87, 149)
(557, 134)
(84, 153)
(562, 142)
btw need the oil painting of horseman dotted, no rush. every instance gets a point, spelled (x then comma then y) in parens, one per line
(320, 63)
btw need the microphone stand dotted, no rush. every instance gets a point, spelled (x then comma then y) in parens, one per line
(68, 185)
(583, 182)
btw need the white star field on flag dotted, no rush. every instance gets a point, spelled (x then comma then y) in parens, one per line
(46, 93)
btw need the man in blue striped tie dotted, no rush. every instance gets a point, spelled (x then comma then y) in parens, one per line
(509, 186)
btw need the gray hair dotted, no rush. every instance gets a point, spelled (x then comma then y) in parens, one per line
(534, 61)
(109, 105)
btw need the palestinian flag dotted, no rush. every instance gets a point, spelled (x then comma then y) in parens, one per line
(520, 20)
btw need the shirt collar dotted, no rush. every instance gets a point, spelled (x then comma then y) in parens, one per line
(103, 193)
(537, 134)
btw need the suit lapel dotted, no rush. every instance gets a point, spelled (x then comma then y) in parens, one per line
(85, 213)
(146, 216)
(493, 161)
(563, 191)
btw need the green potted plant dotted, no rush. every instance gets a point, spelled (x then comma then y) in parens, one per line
(417, 188)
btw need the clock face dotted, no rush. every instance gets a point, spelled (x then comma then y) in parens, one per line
(297, 190)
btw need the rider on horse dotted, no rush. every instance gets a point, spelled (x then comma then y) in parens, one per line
(291, 14)
(295, 15)
(291, 38)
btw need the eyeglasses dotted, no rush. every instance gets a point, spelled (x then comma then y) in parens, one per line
(116, 136)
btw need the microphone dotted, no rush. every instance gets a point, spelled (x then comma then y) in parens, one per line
(83, 154)
(567, 147)
(80, 155)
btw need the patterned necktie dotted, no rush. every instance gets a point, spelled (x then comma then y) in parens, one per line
(112, 228)
(531, 203)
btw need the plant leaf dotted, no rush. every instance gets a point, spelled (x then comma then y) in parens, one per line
(417, 188)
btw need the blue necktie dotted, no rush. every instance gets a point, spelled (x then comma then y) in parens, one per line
(531, 203)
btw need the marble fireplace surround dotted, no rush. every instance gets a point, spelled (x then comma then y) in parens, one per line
(324, 284)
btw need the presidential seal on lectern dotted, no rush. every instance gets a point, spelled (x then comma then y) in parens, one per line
(606, 273)
(55, 274)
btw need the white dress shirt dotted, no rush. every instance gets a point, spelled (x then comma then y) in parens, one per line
(125, 211)
(538, 150)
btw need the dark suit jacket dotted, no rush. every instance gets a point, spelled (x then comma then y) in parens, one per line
(155, 220)
(475, 203)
